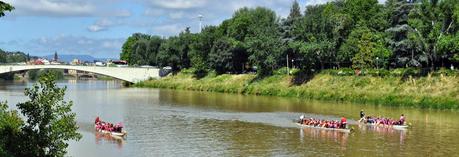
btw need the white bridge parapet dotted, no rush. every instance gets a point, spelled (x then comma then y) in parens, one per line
(129, 74)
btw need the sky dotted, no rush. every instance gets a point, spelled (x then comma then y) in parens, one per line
(99, 27)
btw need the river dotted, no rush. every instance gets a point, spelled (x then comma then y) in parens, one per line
(184, 123)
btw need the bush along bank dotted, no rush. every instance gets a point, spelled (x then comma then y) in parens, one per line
(437, 90)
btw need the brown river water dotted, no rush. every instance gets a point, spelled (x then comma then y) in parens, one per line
(184, 123)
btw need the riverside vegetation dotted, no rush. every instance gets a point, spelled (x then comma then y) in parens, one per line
(417, 38)
(399, 87)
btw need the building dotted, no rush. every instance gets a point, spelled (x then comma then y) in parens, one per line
(75, 62)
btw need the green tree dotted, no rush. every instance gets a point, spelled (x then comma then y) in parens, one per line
(366, 13)
(222, 55)
(145, 51)
(371, 52)
(139, 56)
(153, 49)
(49, 124)
(265, 53)
(432, 20)
(128, 48)
(5, 7)
(10, 129)
(201, 47)
(448, 47)
(404, 50)
(184, 47)
(169, 54)
(350, 47)
(291, 21)
(50, 120)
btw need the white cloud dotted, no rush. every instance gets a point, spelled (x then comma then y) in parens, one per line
(121, 13)
(178, 4)
(67, 8)
(96, 28)
(176, 15)
(100, 25)
(52, 8)
(153, 12)
(170, 29)
(66, 44)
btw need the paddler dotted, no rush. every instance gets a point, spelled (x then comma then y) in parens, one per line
(343, 122)
(362, 116)
(97, 120)
(402, 120)
(301, 119)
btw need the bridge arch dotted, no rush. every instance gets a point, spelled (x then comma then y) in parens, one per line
(129, 74)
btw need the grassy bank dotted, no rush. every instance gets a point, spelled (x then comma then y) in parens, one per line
(431, 91)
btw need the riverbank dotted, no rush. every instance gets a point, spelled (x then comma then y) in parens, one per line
(431, 91)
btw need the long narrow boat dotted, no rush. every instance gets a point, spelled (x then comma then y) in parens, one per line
(112, 133)
(323, 128)
(387, 126)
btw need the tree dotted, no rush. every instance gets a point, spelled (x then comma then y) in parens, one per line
(10, 129)
(404, 50)
(153, 49)
(222, 55)
(201, 47)
(50, 120)
(295, 11)
(140, 55)
(247, 24)
(185, 39)
(289, 23)
(371, 51)
(366, 13)
(432, 20)
(128, 47)
(49, 124)
(169, 54)
(265, 53)
(350, 47)
(448, 47)
(5, 7)
(288, 27)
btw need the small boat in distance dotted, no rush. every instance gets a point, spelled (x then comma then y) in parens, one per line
(116, 131)
(324, 128)
(332, 125)
(387, 126)
(384, 122)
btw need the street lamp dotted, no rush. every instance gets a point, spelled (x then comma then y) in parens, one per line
(377, 63)
(293, 65)
(200, 17)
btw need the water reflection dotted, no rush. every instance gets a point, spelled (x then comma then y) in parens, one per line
(385, 131)
(102, 138)
(329, 135)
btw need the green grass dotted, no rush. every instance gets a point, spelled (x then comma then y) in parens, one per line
(432, 91)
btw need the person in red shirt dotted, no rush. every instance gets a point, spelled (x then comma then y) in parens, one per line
(343, 122)
(97, 120)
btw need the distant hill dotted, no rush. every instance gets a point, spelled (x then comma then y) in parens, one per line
(69, 58)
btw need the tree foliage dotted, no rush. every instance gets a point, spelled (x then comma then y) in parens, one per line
(49, 122)
(5, 7)
(128, 49)
(340, 33)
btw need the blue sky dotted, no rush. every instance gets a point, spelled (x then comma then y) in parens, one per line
(99, 27)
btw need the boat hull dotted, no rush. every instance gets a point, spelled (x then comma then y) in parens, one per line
(387, 126)
(322, 128)
(113, 134)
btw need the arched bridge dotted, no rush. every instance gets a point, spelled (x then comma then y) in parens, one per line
(129, 74)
